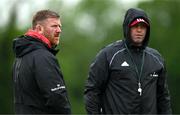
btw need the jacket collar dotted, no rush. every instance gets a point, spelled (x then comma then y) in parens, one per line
(38, 36)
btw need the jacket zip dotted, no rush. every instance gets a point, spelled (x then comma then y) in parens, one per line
(139, 74)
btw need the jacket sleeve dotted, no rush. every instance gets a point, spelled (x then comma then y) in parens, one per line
(163, 96)
(95, 84)
(51, 84)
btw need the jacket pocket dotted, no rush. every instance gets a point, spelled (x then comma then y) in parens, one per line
(121, 73)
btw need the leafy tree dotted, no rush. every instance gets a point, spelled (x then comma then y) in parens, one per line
(165, 37)
(6, 59)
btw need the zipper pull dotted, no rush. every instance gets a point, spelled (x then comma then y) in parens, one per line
(139, 89)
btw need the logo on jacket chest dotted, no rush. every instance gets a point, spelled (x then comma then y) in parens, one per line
(124, 64)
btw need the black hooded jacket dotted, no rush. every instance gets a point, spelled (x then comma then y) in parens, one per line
(113, 81)
(38, 82)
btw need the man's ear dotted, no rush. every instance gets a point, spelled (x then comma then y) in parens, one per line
(39, 28)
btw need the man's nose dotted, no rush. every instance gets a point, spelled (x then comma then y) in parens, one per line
(139, 28)
(58, 29)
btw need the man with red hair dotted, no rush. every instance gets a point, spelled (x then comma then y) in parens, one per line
(38, 81)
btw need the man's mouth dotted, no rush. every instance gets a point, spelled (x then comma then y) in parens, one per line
(56, 35)
(139, 35)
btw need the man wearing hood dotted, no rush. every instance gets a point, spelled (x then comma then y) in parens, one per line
(39, 86)
(128, 77)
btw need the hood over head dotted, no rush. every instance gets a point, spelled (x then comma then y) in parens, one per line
(132, 17)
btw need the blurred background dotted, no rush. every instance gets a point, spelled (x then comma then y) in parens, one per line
(88, 26)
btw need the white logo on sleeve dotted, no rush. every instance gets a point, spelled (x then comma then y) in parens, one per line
(124, 64)
(154, 74)
(58, 87)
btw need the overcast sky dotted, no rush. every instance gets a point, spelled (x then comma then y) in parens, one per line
(26, 7)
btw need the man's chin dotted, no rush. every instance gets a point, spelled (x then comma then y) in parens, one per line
(138, 43)
(57, 43)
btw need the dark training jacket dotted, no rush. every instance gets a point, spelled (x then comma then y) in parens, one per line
(112, 84)
(38, 82)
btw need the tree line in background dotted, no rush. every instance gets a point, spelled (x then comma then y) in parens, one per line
(89, 27)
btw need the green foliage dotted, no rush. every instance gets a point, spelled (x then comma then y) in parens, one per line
(87, 28)
(165, 30)
(6, 61)
(85, 32)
